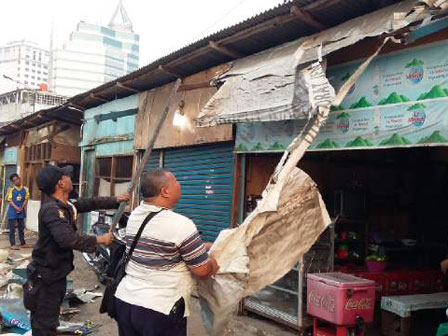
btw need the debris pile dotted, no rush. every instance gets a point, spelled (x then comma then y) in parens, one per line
(15, 319)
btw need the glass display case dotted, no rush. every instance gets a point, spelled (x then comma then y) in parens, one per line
(285, 300)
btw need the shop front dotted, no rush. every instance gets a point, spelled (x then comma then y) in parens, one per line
(202, 159)
(107, 151)
(9, 167)
(380, 162)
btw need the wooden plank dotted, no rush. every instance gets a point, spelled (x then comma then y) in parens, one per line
(194, 99)
(236, 195)
(143, 115)
(66, 154)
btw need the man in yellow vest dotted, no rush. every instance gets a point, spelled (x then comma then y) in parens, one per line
(18, 196)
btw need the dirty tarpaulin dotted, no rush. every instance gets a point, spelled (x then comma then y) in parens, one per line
(291, 215)
(266, 86)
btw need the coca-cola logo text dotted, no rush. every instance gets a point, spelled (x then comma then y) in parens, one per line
(326, 302)
(358, 304)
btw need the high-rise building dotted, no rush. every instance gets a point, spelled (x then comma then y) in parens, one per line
(95, 55)
(20, 103)
(23, 64)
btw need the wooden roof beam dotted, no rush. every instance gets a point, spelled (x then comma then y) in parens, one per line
(169, 71)
(279, 20)
(195, 86)
(224, 50)
(101, 99)
(307, 17)
(79, 107)
(127, 88)
(28, 122)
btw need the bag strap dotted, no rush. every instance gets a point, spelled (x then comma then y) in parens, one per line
(139, 234)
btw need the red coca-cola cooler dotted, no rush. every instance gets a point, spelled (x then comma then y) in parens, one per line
(341, 299)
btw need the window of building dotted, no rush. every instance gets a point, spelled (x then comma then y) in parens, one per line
(26, 76)
(45, 73)
(32, 83)
(38, 78)
(36, 156)
(27, 62)
(34, 64)
(112, 175)
(45, 67)
(38, 72)
(27, 56)
(26, 82)
(27, 69)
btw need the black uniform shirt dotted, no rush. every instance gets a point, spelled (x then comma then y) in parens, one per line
(53, 253)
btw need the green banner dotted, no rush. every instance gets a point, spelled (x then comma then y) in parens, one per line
(400, 101)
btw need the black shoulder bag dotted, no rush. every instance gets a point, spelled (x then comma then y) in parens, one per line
(108, 302)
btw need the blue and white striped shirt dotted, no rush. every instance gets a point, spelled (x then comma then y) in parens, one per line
(158, 275)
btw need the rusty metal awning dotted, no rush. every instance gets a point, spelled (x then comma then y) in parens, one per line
(270, 86)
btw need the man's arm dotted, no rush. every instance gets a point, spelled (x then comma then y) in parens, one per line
(66, 237)
(206, 270)
(97, 203)
(444, 265)
(194, 253)
(27, 197)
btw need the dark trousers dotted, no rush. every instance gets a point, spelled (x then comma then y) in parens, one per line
(46, 306)
(12, 230)
(138, 321)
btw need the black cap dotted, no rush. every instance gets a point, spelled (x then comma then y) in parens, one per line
(50, 175)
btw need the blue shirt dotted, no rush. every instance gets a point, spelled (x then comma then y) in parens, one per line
(18, 195)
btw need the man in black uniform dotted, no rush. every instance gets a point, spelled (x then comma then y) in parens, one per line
(52, 257)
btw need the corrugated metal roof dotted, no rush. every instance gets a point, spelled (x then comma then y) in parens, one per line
(64, 113)
(265, 30)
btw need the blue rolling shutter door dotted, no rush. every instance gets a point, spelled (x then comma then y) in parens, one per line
(206, 176)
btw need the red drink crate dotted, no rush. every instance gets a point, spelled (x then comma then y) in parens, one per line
(420, 282)
(399, 283)
(339, 298)
(426, 282)
(380, 282)
(437, 281)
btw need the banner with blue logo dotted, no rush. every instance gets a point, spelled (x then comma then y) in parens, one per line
(400, 100)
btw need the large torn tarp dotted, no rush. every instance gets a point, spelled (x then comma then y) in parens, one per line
(255, 254)
(275, 236)
(268, 87)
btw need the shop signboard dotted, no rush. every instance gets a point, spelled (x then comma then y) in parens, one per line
(10, 156)
(400, 101)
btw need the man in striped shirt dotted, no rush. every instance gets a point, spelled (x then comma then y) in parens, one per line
(153, 298)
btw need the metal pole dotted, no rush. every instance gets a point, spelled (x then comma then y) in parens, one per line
(34, 101)
(141, 165)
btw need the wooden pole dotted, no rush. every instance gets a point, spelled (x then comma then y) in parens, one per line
(141, 165)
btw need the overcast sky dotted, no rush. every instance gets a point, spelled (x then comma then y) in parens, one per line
(164, 25)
